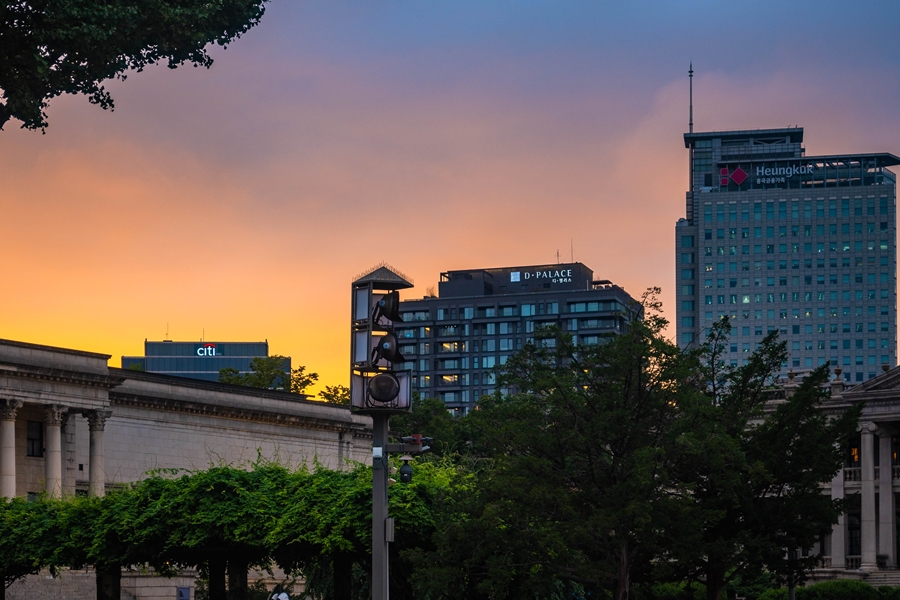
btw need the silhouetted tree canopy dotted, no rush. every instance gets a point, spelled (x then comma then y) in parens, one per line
(54, 47)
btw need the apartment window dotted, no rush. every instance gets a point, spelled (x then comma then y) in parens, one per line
(528, 310)
(34, 440)
(510, 327)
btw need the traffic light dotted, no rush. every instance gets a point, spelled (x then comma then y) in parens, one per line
(375, 383)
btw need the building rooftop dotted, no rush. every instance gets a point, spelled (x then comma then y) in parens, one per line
(787, 134)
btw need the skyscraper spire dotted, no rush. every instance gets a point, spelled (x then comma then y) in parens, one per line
(691, 79)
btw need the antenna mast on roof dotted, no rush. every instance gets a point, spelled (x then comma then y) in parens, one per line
(691, 79)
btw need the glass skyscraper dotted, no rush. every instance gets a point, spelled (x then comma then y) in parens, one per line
(780, 241)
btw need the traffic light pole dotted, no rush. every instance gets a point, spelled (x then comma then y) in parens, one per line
(379, 507)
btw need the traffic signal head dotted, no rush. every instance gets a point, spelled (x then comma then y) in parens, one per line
(380, 391)
(386, 310)
(387, 349)
(384, 387)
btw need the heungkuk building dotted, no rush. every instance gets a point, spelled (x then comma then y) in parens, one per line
(452, 342)
(780, 241)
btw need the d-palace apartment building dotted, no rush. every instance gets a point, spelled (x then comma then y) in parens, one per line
(480, 317)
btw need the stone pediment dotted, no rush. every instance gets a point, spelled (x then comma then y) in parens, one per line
(885, 386)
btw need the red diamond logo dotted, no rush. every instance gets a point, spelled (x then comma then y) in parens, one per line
(739, 176)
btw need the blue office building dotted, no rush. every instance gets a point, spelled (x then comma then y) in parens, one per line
(777, 240)
(197, 360)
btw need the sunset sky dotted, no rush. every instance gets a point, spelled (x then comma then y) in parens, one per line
(242, 200)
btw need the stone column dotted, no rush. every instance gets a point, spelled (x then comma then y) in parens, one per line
(867, 508)
(97, 424)
(839, 530)
(887, 531)
(8, 408)
(53, 417)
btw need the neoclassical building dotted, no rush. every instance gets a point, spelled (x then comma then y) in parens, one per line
(863, 544)
(71, 424)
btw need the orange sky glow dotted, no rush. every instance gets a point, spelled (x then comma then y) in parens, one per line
(241, 201)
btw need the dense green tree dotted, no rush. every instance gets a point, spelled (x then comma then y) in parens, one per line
(271, 373)
(430, 418)
(756, 459)
(54, 47)
(31, 534)
(580, 439)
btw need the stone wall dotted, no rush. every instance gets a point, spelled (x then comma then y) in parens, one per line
(82, 585)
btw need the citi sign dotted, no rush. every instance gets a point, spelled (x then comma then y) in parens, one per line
(206, 350)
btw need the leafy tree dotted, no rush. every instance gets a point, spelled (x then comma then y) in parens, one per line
(300, 380)
(30, 536)
(325, 527)
(756, 469)
(54, 47)
(336, 394)
(580, 438)
(430, 417)
(270, 372)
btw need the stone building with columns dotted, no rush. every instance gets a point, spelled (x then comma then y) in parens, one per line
(864, 543)
(70, 424)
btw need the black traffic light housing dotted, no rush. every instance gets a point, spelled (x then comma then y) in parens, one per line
(376, 384)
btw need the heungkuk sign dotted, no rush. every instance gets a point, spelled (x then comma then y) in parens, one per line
(765, 175)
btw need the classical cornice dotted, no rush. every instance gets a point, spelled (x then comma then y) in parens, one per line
(55, 349)
(233, 412)
(20, 371)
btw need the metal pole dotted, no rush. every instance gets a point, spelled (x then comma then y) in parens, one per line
(379, 507)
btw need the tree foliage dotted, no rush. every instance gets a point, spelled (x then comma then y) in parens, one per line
(580, 438)
(271, 373)
(225, 520)
(336, 394)
(632, 462)
(756, 464)
(54, 47)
